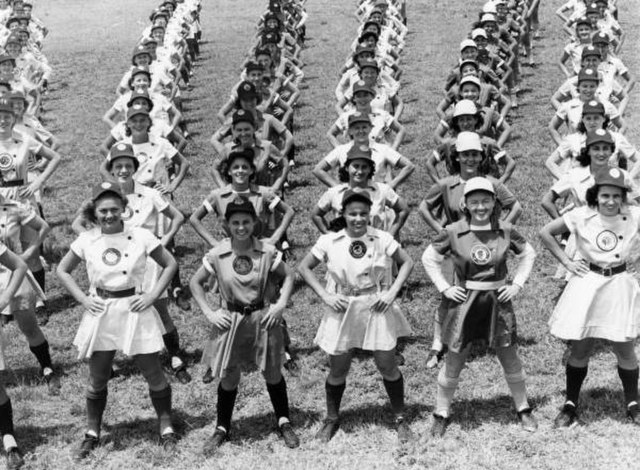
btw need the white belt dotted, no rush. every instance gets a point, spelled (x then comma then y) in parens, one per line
(484, 285)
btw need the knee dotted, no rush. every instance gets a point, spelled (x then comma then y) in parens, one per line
(446, 381)
(163, 311)
(580, 353)
(98, 382)
(388, 368)
(272, 376)
(28, 324)
(510, 361)
(626, 356)
(152, 371)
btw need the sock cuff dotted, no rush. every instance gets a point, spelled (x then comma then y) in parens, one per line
(97, 395)
(515, 377)
(329, 386)
(164, 393)
(447, 382)
(399, 380)
(40, 347)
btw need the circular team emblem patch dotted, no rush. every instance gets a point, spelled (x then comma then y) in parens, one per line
(127, 213)
(357, 249)
(142, 157)
(480, 254)
(607, 240)
(111, 256)
(242, 265)
(6, 162)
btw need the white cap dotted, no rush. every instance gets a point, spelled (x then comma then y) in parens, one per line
(489, 7)
(464, 107)
(468, 43)
(488, 17)
(470, 79)
(478, 183)
(478, 32)
(468, 141)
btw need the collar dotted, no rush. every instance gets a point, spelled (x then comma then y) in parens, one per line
(228, 190)
(226, 248)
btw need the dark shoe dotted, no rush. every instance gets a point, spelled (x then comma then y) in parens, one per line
(528, 422)
(215, 441)
(434, 357)
(567, 418)
(404, 431)
(182, 374)
(207, 378)
(182, 299)
(169, 441)
(399, 358)
(328, 430)
(439, 426)
(53, 381)
(289, 436)
(86, 447)
(291, 364)
(633, 414)
(14, 459)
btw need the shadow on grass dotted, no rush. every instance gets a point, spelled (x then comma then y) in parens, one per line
(35, 436)
(60, 304)
(351, 419)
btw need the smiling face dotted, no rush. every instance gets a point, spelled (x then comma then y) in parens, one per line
(480, 205)
(18, 107)
(583, 31)
(469, 91)
(599, 153)
(241, 226)
(362, 99)
(360, 131)
(610, 199)
(244, 133)
(591, 62)
(255, 77)
(264, 60)
(139, 124)
(140, 82)
(359, 172)
(142, 60)
(593, 121)
(123, 169)
(356, 216)
(240, 171)
(13, 48)
(469, 162)
(469, 53)
(108, 212)
(467, 122)
(587, 89)
(7, 121)
(249, 104)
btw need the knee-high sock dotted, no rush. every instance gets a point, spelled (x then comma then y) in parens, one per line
(334, 397)
(575, 378)
(226, 402)
(395, 390)
(42, 354)
(161, 400)
(279, 398)
(96, 403)
(446, 389)
(629, 378)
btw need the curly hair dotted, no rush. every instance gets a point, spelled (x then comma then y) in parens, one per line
(494, 218)
(452, 121)
(582, 128)
(88, 209)
(591, 196)
(127, 130)
(343, 172)
(584, 159)
(225, 168)
(487, 166)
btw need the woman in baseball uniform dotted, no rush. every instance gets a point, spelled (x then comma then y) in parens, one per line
(247, 331)
(478, 303)
(119, 313)
(602, 298)
(361, 309)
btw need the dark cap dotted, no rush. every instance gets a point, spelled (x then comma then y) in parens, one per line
(583, 20)
(371, 63)
(588, 74)
(367, 35)
(360, 85)
(140, 50)
(593, 107)
(17, 95)
(239, 205)
(358, 117)
(140, 94)
(253, 66)
(599, 135)
(592, 8)
(611, 177)
(247, 91)
(7, 58)
(135, 110)
(352, 195)
(270, 38)
(359, 152)
(122, 150)
(360, 49)
(600, 38)
(469, 62)
(242, 116)
(5, 105)
(588, 51)
(104, 188)
(262, 51)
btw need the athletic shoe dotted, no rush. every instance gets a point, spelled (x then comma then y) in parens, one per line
(86, 447)
(14, 459)
(439, 426)
(434, 357)
(404, 431)
(328, 430)
(633, 414)
(288, 435)
(182, 374)
(215, 441)
(181, 299)
(567, 418)
(207, 378)
(527, 420)
(169, 441)
(53, 381)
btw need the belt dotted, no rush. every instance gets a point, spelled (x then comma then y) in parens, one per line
(350, 291)
(115, 294)
(608, 272)
(245, 309)
(12, 183)
(149, 184)
(484, 285)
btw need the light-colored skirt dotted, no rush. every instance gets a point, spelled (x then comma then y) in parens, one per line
(596, 306)
(23, 299)
(245, 344)
(119, 329)
(152, 273)
(2, 363)
(359, 328)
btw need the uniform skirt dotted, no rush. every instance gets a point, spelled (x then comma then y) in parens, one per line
(245, 344)
(23, 299)
(595, 306)
(479, 318)
(117, 328)
(358, 327)
(2, 363)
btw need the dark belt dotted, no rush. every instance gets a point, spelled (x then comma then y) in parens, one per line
(244, 309)
(115, 294)
(149, 184)
(11, 183)
(608, 272)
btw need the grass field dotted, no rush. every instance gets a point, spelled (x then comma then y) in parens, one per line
(89, 48)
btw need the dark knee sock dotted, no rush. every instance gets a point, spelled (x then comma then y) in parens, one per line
(172, 342)
(629, 378)
(279, 398)
(96, 403)
(6, 419)
(161, 400)
(39, 277)
(575, 377)
(395, 390)
(224, 408)
(334, 397)
(42, 354)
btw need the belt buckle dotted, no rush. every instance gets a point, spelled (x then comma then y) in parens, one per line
(607, 272)
(247, 309)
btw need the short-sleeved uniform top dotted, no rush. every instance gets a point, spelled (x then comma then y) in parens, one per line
(384, 157)
(115, 261)
(382, 196)
(570, 113)
(381, 121)
(577, 180)
(144, 206)
(13, 215)
(361, 262)
(243, 279)
(605, 241)
(14, 159)
(443, 198)
(572, 145)
(154, 157)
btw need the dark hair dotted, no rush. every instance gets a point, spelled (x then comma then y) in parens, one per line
(585, 160)
(486, 167)
(452, 122)
(591, 196)
(225, 167)
(583, 130)
(88, 209)
(494, 218)
(343, 171)
(127, 131)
